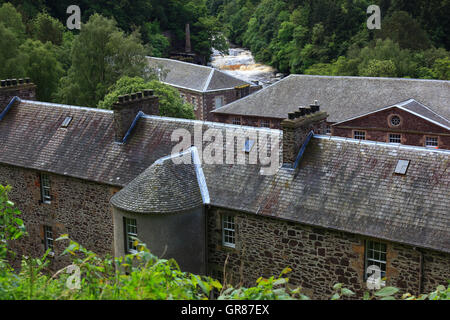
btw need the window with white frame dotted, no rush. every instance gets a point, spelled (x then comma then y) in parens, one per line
(395, 138)
(236, 121)
(328, 130)
(130, 227)
(48, 238)
(45, 188)
(194, 102)
(264, 123)
(360, 135)
(228, 231)
(218, 102)
(431, 141)
(376, 256)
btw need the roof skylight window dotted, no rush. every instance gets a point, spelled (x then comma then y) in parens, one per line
(66, 122)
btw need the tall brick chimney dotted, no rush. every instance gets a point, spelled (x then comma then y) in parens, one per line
(23, 88)
(297, 128)
(188, 39)
(127, 108)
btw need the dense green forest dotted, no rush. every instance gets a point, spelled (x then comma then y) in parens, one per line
(325, 37)
(330, 37)
(81, 67)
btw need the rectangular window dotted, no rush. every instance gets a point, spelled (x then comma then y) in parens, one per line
(45, 188)
(236, 121)
(360, 135)
(395, 138)
(48, 238)
(328, 130)
(375, 256)
(228, 231)
(130, 227)
(264, 123)
(218, 102)
(431, 141)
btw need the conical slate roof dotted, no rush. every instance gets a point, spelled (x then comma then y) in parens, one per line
(164, 187)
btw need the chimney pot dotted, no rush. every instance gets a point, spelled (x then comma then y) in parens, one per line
(291, 115)
(148, 93)
(3, 83)
(20, 81)
(139, 95)
(126, 98)
(121, 98)
(302, 111)
(14, 82)
(27, 80)
(133, 96)
(8, 82)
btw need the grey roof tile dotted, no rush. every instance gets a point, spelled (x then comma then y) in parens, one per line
(342, 184)
(341, 97)
(193, 76)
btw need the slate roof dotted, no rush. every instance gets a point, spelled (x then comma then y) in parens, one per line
(341, 97)
(341, 184)
(193, 76)
(165, 187)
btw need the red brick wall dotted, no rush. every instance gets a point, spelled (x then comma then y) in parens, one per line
(377, 126)
(206, 101)
(247, 120)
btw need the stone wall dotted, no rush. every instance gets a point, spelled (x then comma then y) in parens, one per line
(78, 208)
(319, 257)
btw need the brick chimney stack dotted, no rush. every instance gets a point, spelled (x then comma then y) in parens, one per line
(297, 127)
(127, 108)
(23, 88)
(188, 39)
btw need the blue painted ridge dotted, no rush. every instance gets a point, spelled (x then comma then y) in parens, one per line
(302, 150)
(9, 106)
(127, 135)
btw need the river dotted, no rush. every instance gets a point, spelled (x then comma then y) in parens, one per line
(241, 64)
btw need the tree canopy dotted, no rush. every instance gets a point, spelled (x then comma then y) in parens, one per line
(170, 102)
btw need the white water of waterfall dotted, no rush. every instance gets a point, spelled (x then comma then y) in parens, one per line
(241, 64)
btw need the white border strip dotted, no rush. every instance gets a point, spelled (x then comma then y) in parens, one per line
(200, 176)
(382, 144)
(48, 104)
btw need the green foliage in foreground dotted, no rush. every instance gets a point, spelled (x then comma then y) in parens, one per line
(137, 276)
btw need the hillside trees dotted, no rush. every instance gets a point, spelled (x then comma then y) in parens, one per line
(101, 54)
(331, 37)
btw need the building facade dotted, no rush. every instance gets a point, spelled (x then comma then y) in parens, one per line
(408, 122)
(332, 207)
(204, 87)
(341, 97)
